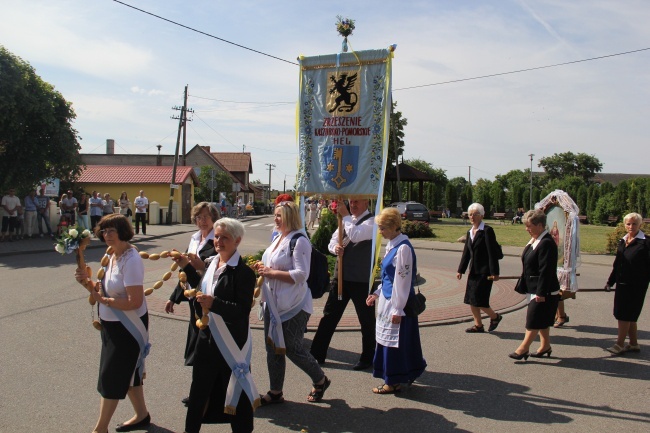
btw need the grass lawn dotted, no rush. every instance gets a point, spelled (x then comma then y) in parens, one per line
(593, 239)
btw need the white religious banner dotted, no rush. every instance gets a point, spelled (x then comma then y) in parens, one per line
(344, 123)
(562, 223)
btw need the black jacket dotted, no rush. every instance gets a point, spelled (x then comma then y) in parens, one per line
(632, 264)
(539, 274)
(481, 253)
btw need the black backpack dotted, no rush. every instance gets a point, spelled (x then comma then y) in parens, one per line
(319, 276)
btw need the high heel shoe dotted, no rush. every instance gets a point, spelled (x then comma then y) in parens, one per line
(539, 354)
(518, 357)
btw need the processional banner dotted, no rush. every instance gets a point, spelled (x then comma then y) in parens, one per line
(343, 123)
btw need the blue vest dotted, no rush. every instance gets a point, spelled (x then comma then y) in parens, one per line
(388, 270)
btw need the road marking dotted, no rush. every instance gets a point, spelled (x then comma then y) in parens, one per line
(255, 225)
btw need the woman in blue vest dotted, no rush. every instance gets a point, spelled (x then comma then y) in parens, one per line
(398, 356)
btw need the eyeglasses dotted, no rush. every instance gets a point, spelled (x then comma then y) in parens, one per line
(283, 203)
(202, 217)
(108, 232)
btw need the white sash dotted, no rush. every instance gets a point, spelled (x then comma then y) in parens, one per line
(239, 362)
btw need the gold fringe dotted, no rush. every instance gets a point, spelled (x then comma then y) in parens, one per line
(230, 410)
(257, 403)
(280, 351)
(269, 342)
(345, 64)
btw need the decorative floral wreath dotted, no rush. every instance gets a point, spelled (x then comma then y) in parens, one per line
(345, 26)
(70, 239)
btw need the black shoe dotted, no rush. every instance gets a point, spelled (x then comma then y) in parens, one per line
(539, 354)
(495, 322)
(518, 357)
(135, 426)
(361, 366)
(186, 400)
(475, 329)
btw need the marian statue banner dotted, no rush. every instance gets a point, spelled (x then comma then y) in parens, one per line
(343, 123)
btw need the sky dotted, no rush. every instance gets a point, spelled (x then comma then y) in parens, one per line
(124, 70)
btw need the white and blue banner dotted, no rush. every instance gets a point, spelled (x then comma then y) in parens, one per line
(344, 123)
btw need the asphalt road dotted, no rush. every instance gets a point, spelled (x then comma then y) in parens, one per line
(49, 363)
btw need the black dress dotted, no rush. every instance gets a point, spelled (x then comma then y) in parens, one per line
(233, 297)
(539, 277)
(177, 297)
(631, 274)
(480, 255)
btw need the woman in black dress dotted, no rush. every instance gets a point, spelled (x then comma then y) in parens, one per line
(222, 350)
(201, 246)
(631, 274)
(481, 256)
(539, 282)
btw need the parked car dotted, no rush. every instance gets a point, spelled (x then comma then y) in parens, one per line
(412, 211)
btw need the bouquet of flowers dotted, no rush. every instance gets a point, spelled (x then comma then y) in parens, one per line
(70, 240)
(345, 26)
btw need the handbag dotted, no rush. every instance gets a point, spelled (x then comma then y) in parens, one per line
(415, 304)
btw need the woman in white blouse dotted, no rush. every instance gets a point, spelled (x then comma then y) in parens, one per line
(287, 304)
(398, 356)
(125, 320)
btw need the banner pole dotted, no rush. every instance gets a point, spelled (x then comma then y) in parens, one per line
(339, 257)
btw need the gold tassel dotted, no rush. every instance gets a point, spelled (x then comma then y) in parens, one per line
(280, 351)
(230, 410)
(257, 403)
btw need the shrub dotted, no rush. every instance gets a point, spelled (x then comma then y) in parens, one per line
(618, 233)
(326, 228)
(417, 229)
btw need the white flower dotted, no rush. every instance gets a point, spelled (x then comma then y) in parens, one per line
(85, 233)
(73, 233)
(59, 248)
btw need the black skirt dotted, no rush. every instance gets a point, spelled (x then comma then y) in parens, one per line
(628, 301)
(477, 292)
(541, 315)
(120, 352)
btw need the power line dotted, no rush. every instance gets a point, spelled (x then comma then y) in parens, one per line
(204, 33)
(241, 102)
(522, 70)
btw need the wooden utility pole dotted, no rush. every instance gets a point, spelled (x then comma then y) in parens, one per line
(182, 124)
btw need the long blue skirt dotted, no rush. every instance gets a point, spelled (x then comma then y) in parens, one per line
(401, 364)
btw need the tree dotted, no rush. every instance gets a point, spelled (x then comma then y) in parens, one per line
(569, 164)
(483, 194)
(37, 141)
(432, 190)
(397, 124)
(223, 183)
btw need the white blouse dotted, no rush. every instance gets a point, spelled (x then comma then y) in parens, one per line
(289, 295)
(127, 270)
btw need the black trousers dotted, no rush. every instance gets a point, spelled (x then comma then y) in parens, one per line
(141, 217)
(332, 313)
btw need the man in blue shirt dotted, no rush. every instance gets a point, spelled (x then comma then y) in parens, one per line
(43, 213)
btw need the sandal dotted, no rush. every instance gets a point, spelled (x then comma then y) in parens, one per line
(561, 321)
(387, 389)
(319, 391)
(475, 329)
(616, 350)
(273, 398)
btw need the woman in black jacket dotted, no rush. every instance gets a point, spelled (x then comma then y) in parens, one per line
(481, 256)
(539, 282)
(201, 246)
(631, 274)
(222, 389)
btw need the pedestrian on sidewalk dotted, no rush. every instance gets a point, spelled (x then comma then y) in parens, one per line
(356, 249)
(481, 256)
(30, 214)
(10, 205)
(631, 274)
(43, 213)
(141, 203)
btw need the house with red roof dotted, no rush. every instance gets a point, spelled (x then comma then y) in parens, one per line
(155, 181)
